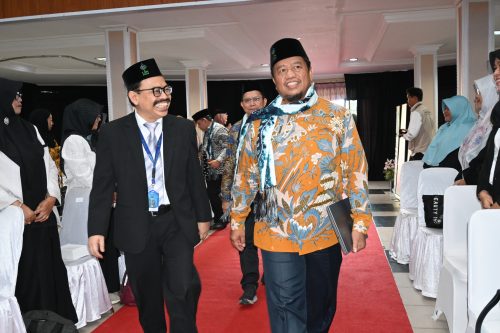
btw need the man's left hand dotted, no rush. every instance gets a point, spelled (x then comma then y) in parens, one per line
(358, 241)
(203, 229)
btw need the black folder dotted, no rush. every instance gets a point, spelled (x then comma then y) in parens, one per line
(340, 217)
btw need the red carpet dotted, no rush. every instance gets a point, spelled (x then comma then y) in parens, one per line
(368, 298)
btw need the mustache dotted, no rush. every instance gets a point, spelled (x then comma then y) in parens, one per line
(162, 101)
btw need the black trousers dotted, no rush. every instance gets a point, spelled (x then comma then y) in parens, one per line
(109, 262)
(249, 257)
(162, 273)
(213, 190)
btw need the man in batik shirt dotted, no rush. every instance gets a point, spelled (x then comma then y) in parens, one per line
(298, 155)
(214, 150)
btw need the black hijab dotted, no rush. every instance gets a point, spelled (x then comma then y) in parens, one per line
(79, 117)
(18, 140)
(39, 118)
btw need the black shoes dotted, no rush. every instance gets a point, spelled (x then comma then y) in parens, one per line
(249, 296)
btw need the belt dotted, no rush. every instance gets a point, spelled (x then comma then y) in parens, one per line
(162, 209)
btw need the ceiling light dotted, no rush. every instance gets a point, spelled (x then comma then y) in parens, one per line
(264, 65)
(100, 58)
(496, 32)
(353, 59)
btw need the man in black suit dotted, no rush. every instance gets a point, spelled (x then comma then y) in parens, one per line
(162, 209)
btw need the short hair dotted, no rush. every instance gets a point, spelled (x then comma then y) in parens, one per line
(132, 87)
(415, 92)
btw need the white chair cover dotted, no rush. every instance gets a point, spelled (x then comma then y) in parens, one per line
(11, 245)
(88, 289)
(460, 202)
(406, 224)
(74, 217)
(427, 249)
(483, 268)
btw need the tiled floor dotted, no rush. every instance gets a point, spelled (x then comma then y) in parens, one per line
(419, 308)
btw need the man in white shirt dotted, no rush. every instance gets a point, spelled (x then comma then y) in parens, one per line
(421, 129)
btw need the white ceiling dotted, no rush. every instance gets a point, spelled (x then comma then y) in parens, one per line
(232, 38)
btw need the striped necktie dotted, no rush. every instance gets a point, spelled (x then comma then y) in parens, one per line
(152, 137)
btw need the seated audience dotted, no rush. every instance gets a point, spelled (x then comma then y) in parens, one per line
(42, 280)
(488, 187)
(472, 150)
(459, 119)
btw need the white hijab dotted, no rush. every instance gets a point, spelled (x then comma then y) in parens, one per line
(476, 139)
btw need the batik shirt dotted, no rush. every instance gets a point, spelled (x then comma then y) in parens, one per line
(318, 160)
(229, 164)
(215, 146)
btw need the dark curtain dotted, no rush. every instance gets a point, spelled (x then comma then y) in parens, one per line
(56, 98)
(377, 95)
(447, 87)
(226, 95)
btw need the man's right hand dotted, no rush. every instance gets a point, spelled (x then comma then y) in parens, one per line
(96, 246)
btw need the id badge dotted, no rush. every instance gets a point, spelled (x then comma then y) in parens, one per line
(153, 199)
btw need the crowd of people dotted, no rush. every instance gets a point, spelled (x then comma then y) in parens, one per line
(155, 189)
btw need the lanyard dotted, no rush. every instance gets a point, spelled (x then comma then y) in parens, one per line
(157, 154)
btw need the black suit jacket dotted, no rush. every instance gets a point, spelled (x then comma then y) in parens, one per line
(120, 163)
(484, 176)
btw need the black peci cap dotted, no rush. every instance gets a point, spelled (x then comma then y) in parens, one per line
(286, 48)
(201, 114)
(140, 71)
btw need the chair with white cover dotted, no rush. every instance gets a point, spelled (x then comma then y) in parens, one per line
(74, 216)
(11, 245)
(406, 225)
(87, 285)
(483, 268)
(460, 202)
(427, 249)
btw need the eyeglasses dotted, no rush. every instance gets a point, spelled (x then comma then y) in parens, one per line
(19, 95)
(158, 90)
(282, 71)
(252, 99)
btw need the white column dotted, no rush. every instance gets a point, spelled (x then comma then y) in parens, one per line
(425, 75)
(122, 50)
(475, 38)
(196, 86)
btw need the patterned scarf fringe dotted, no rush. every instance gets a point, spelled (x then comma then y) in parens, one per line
(266, 206)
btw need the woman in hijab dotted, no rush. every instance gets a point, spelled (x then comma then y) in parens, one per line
(42, 281)
(443, 150)
(42, 119)
(488, 187)
(472, 150)
(81, 121)
(80, 125)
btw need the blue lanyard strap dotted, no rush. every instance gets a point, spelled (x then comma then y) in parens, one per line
(157, 154)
